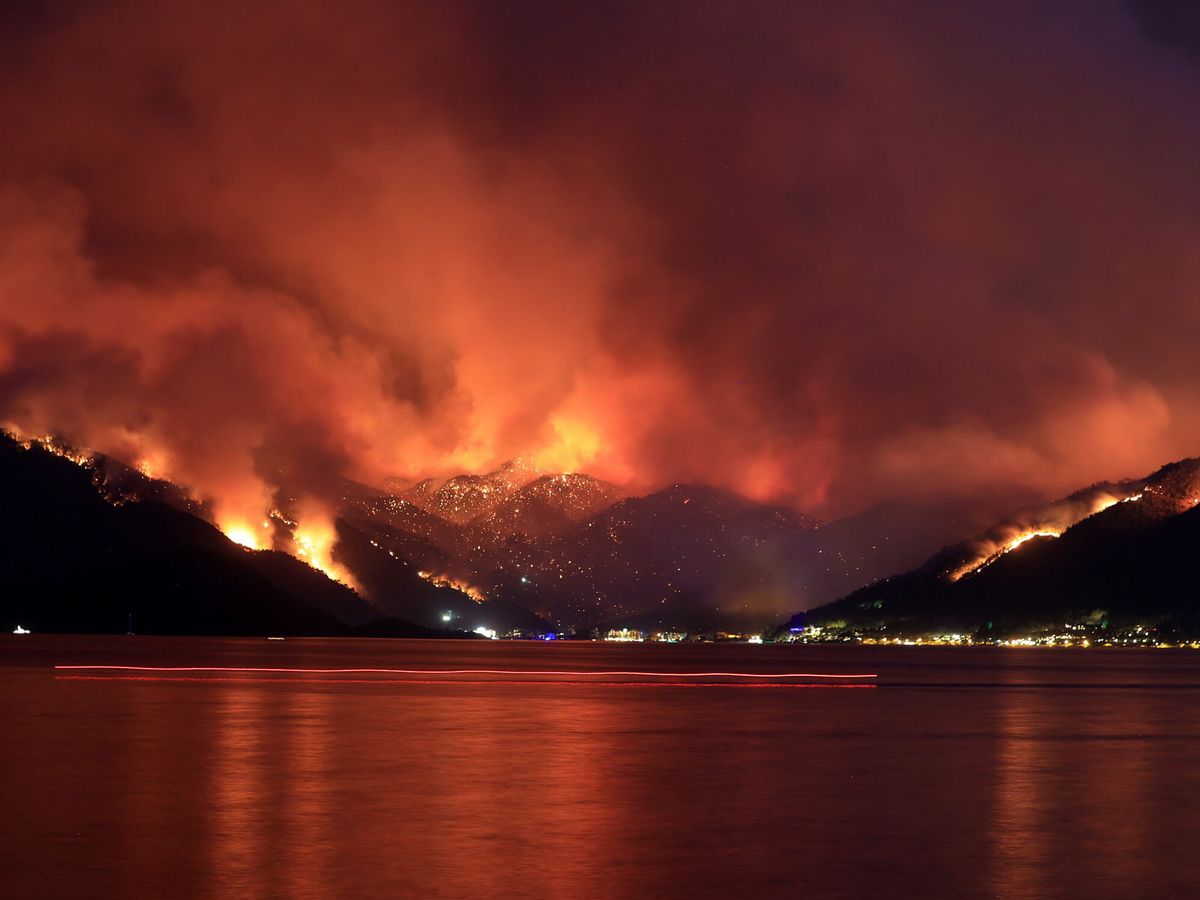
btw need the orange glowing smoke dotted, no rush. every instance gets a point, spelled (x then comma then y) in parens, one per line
(152, 465)
(413, 252)
(241, 533)
(315, 537)
(576, 445)
(1050, 521)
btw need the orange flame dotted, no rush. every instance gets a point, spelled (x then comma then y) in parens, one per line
(445, 581)
(576, 444)
(1052, 522)
(241, 532)
(315, 537)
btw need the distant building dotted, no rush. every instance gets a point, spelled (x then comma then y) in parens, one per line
(624, 635)
(669, 637)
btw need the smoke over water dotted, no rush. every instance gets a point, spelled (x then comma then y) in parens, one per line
(815, 254)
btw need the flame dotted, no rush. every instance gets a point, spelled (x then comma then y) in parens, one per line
(240, 532)
(1051, 523)
(576, 445)
(993, 554)
(50, 444)
(446, 581)
(152, 465)
(315, 537)
(1028, 536)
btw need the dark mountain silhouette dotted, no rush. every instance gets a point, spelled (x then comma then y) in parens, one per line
(396, 586)
(1131, 560)
(894, 536)
(569, 548)
(684, 549)
(549, 552)
(72, 560)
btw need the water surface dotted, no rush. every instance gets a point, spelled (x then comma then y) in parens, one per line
(967, 772)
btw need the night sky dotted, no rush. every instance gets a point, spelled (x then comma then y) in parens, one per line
(819, 253)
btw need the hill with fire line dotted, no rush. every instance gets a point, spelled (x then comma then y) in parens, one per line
(513, 550)
(88, 546)
(1120, 553)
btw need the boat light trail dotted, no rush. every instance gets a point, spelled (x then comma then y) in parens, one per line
(787, 685)
(379, 671)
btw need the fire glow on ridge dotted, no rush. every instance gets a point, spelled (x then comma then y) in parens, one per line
(242, 533)
(993, 549)
(315, 537)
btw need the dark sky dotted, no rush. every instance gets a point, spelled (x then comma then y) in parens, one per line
(822, 253)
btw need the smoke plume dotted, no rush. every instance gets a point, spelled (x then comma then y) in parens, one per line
(816, 253)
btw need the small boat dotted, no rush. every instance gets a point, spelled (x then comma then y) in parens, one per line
(276, 639)
(20, 630)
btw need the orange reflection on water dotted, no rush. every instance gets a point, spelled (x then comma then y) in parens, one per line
(1017, 834)
(1074, 773)
(307, 849)
(238, 784)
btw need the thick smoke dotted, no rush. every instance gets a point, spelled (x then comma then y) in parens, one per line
(818, 253)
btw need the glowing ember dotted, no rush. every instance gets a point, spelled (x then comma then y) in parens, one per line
(50, 444)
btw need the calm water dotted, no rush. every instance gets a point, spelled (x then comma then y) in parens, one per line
(983, 772)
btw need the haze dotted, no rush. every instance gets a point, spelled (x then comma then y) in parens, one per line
(819, 254)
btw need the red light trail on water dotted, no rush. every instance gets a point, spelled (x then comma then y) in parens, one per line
(825, 686)
(427, 672)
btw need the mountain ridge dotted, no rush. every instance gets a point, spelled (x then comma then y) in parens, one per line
(1132, 558)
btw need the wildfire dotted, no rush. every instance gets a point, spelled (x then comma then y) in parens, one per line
(1028, 536)
(315, 537)
(152, 466)
(50, 444)
(240, 532)
(576, 445)
(445, 581)
(993, 554)
(1064, 518)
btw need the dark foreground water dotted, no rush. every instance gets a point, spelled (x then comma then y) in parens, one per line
(973, 772)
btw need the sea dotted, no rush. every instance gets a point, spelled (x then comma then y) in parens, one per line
(472, 769)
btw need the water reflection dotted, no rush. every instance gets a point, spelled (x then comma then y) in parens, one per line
(958, 779)
(307, 851)
(1076, 791)
(238, 787)
(144, 765)
(571, 803)
(1021, 787)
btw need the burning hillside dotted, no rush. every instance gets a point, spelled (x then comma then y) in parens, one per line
(1048, 521)
(1124, 551)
